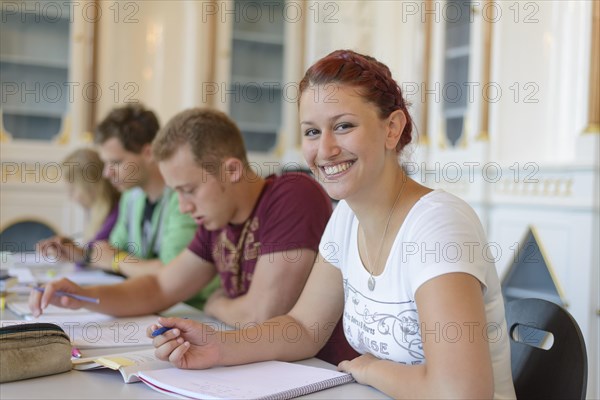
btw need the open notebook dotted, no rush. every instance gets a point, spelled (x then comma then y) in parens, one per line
(263, 380)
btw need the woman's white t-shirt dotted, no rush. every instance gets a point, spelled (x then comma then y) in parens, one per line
(441, 234)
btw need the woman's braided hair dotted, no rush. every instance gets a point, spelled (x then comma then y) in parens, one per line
(371, 78)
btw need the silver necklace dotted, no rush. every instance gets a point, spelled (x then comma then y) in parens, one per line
(371, 281)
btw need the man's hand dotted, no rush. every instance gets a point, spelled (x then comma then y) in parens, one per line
(38, 301)
(188, 345)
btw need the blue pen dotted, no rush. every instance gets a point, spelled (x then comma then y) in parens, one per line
(162, 330)
(72, 295)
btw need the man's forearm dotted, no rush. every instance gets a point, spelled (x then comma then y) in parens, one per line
(101, 255)
(112, 259)
(140, 296)
(280, 338)
(134, 267)
(237, 312)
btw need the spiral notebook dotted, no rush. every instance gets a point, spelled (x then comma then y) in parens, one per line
(263, 380)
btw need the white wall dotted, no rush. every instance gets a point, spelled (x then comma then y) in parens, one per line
(156, 52)
(541, 63)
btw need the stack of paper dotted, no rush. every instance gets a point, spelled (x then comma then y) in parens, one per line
(6, 280)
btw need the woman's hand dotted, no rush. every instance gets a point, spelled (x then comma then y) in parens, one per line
(59, 248)
(358, 367)
(188, 345)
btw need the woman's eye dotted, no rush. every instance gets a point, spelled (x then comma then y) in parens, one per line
(343, 126)
(311, 132)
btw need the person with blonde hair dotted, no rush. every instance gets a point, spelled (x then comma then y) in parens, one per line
(82, 170)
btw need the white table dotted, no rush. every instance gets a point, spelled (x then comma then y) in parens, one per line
(108, 384)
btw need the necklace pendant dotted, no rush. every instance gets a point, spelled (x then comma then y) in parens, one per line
(371, 283)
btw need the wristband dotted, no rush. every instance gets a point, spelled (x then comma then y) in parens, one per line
(87, 253)
(120, 256)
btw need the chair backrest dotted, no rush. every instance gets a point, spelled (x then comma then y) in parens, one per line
(22, 236)
(557, 372)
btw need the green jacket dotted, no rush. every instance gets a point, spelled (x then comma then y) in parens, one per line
(172, 231)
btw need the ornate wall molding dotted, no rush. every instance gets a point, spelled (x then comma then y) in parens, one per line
(594, 85)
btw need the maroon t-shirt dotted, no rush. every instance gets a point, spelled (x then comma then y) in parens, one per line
(290, 215)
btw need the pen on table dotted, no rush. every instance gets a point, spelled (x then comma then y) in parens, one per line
(75, 352)
(72, 295)
(161, 330)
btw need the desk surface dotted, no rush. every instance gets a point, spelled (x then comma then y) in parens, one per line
(108, 384)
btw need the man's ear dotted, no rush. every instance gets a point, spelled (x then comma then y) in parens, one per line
(147, 152)
(233, 169)
(395, 123)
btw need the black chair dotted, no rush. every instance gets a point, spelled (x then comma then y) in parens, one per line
(22, 236)
(557, 372)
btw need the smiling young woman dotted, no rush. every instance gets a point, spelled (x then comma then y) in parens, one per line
(428, 322)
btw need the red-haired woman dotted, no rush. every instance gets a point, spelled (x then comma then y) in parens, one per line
(403, 264)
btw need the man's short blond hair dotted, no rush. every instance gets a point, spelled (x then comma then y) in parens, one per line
(211, 135)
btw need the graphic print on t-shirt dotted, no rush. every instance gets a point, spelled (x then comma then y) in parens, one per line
(388, 330)
(236, 260)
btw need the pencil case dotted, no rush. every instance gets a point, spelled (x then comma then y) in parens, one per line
(32, 350)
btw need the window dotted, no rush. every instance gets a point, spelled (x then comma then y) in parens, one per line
(257, 72)
(34, 69)
(456, 68)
